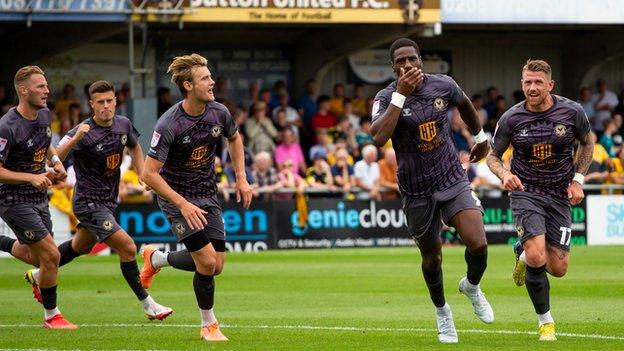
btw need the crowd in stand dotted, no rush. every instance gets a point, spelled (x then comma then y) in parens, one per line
(321, 144)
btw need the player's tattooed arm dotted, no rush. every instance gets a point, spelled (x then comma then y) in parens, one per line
(584, 154)
(510, 181)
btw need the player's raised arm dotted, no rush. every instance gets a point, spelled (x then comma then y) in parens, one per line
(69, 141)
(386, 115)
(243, 190)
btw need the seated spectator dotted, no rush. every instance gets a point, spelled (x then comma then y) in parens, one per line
(261, 132)
(344, 131)
(359, 102)
(606, 140)
(290, 179)
(265, 176)
(131, 190)
(388, 175)
(223, 184)
(342, 171)
(323, 118)
(353, 119)
(616, 174)
(289, 149)
(336, 103)
(341, 144)
(292, 116)
(319, 176)
(363, 137)
(366, 173)
(324, 142)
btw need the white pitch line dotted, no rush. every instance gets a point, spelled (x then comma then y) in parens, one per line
(313, 327)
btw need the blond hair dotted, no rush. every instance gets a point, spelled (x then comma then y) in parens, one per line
(24, 73)
(538, 66)
(181, 69)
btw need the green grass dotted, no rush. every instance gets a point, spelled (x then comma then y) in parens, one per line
(378, 292)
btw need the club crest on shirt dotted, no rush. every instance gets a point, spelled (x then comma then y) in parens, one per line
(107, 225)
(180, 228)
(49, 132)
(3, 143)
(560, 130)
(524, 132)
(520, 231)
(124, 139)
(186, 139)
(155, 139)
(30, 234)
(29, 143)
(440, 104)
(216, 131)
(99, 147)
(407, 112)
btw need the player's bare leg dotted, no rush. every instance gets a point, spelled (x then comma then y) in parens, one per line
(538, 286)
(208, 262)
(469, 225)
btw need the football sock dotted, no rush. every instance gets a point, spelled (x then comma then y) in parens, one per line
(6, 243)
(538, 287)
(181, 260)
(204, 290)
(433, 278)
(48, 297)
(476, 266)
(130, 271)
(207, 317)
(67, 253)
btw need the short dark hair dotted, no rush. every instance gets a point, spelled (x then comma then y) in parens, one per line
(322, 99)
(477, 96)
(162, 91)
(101, 86)
(402, 42)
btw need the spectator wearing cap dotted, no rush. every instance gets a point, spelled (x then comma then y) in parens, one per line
(289, 149)
(367, 175)
(319, 176)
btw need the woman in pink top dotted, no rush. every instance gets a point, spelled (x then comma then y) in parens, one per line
(289, 149)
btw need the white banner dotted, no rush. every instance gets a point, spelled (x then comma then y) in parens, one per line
(605, 219)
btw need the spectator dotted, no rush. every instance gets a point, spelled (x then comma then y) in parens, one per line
(290, 150)
(363, 137)
(292, 116)
(265, 96)
(349, 114)
(278, 88)
(291, 179)
(477, 102)
(342, 171)
(598, 171)
(366, 173)
(461, 135)
(131, 190)
(163, 95)
(74, 114)
(490, 105)
(228, 169)
(359, 102)
(85, 106)
(605, 101)
(265, 176)
(324, 143)
(261, 132)
(616, 174)
(221, 90)
(501, 107)
(585, 99)
(336, 103)
(68, 97)
(323, 118)
(319, 176)
(388, 175)
(223, 184)
(606, 140)
(253, 97)
(308, 105)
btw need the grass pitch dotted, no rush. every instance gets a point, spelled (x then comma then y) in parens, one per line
(321, 300)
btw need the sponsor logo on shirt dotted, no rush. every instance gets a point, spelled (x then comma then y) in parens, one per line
(39, 156)
(427, 130)
(155, 139)
(112, 161)
(542, 151)
(199, 152)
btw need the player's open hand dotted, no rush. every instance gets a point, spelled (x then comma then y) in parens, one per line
(409, 79)
(244, 192)
(575, 193)
(511, 182)
(194, 215)
(40, 181)
(83, 129)
(479, 151)
(59, 171)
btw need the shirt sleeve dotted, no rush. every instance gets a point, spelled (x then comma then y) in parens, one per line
(502, 136)
(6, 141)
(133, 135)
(581, 123)
(380, 105)
(161, 142)
(68, 137)
(455, 92)
(230, 127)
